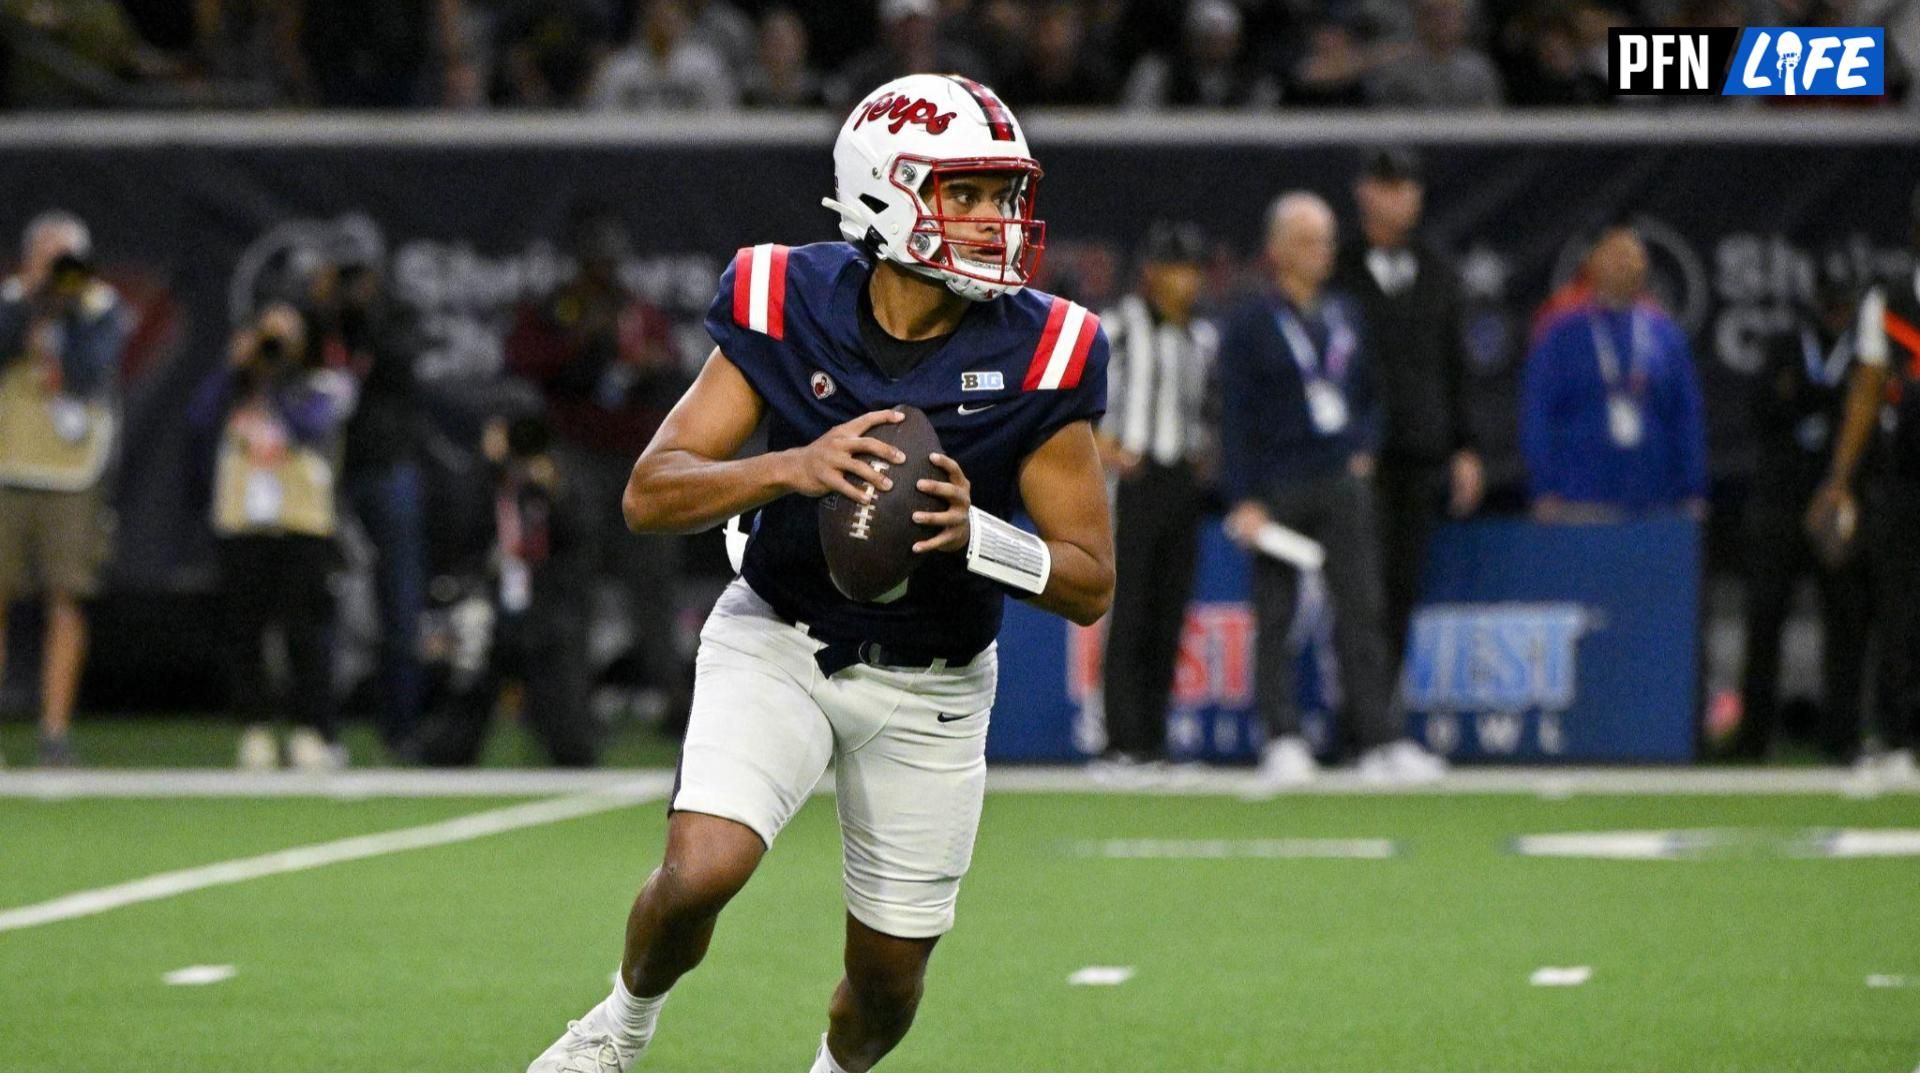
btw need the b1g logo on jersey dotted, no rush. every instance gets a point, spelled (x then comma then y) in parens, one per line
(982, 380)
(1787, 61)
(903, 111)
(822, 384)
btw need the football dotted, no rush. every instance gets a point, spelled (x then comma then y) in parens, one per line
(869, 547)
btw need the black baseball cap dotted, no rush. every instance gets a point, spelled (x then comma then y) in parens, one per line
(1174, 242)
(1391, 163)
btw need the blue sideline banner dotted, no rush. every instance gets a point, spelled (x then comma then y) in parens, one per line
(1558, 643)
(1535, 643)
(1049, 703)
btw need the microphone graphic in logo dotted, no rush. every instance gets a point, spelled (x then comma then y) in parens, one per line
(1788, 52)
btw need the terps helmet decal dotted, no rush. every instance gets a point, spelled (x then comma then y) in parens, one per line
(903, 110)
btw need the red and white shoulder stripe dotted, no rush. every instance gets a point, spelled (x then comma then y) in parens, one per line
(760, 289)
(1061, 355)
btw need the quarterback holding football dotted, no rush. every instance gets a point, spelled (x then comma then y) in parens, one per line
(915, 394)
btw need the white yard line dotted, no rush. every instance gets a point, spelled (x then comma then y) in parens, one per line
(349, 784)
(199, 975)
(1260, 848)
(1100, 976)
(1063, 780)
(311, 856)
(1623, 844)
(1868, 843)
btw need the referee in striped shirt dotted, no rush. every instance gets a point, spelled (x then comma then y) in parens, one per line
(1155, 440)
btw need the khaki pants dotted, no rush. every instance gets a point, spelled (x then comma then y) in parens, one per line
(56, 540)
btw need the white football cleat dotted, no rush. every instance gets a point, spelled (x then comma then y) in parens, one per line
(308, 752)
(258, 750)
(1898, 767)
(1287, 762)
(1401, 763)
(585, 1048)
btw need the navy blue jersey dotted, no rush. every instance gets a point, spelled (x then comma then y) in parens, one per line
(1015, 371)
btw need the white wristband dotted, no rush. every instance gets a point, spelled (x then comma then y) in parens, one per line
(1008, 555)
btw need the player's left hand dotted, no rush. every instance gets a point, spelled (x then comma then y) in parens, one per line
(958, 491)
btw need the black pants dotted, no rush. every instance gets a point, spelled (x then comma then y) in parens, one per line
(280, 580)
(1408, 497)
(1894, 524)
(648, 568)
(1777, 557)
(1338, 512)
(545, 649)
(1156, 538)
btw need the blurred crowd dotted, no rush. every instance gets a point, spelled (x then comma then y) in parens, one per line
(1324, 400)
(643, 55)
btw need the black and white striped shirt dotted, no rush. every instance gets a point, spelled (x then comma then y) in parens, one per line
(1158, 376)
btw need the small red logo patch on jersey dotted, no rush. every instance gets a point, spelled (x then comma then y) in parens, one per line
(903, 111)
(822, 385)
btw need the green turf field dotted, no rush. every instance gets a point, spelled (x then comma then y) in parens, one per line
(472, 955)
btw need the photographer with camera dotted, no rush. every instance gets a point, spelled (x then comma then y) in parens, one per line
(61, 332)
(276, 419)
(357, 328)
(532, 549)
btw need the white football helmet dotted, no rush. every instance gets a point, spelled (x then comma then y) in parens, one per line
(887, 163)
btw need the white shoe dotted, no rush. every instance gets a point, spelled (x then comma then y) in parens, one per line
(1287, 762)
(308, 752)
(258, 751)
(1898, 767)
(1401, 763)
(1122, 771)
(585, 1048)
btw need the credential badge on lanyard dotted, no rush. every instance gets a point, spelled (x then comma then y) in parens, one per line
(1626, 390)
(1322, 383)
(1826, 371)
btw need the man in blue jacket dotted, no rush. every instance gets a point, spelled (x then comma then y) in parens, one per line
(1300, 425)
(1611, 422)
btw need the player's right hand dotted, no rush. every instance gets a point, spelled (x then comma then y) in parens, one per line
(831, 463)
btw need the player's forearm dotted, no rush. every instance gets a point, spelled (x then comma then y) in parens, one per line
(1080, 586)
(677, 491)
(1856, 426)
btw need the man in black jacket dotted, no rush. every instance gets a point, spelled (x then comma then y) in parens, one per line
(1299, 431)
(1410, 306)
(1797, 404)
(1883, 400)
(359, 330)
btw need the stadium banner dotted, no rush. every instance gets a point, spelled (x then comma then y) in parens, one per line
(1534, 643)
(195, 233)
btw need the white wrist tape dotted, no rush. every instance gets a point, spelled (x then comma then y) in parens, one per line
(1008, 555)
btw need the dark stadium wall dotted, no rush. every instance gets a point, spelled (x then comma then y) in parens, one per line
(197, 231)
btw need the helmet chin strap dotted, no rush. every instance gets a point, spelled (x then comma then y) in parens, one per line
(860, 220)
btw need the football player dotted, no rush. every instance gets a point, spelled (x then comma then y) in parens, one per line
(925, 304)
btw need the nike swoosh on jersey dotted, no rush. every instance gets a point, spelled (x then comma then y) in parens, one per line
(945, 719)
(965, 411)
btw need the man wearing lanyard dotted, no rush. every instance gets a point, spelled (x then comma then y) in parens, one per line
(1299, 428)
(1797, 403)
(1611, 423)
